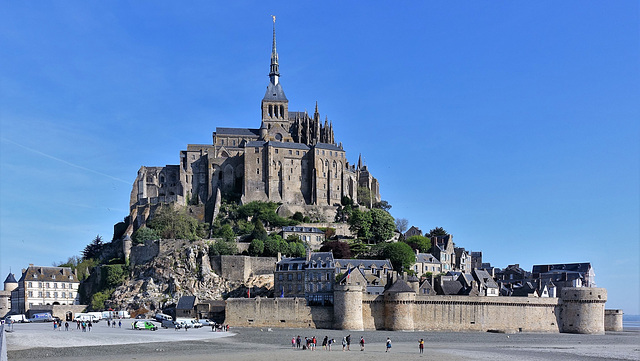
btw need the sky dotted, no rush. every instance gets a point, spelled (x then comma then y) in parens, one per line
(513, 125)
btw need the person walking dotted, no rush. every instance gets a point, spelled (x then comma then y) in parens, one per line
(298, 341)
(330, 342)
(421, 345)
(344, 343)
(361, 343)
(348, 342)
(324, 342)
(388, 345)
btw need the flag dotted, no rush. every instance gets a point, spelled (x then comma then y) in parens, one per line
(348, 273)
(248, 293)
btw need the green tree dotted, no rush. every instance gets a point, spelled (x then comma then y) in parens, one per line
(99, 298)
(382, 225)
(437, 232)
(93, 249)
(400, 255)
(256, 248)
(143, 234)
(114, 275)
(258, 231)
(384, 205)
(274, 244)
(223, 247)
(174, 224)
(358, 248)
(296, 249)
(421, 243)
(226, 232)
(360, 223)
(298, 216)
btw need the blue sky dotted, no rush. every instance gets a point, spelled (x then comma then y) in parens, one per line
(513, 125)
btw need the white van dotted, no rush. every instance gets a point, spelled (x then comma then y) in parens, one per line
(17, 318)
(86, 317)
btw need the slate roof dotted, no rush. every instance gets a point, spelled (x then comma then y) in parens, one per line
(485, 278)
(328, 146)
(186, 303)
(10, 279)
(452, 288)
(238, 131)
(301, 229)
(426, 258)
(325, 259)
(49, 274)
(288, 145)
(575, 267)
(274, 93)
(366, 263)
(400, 286)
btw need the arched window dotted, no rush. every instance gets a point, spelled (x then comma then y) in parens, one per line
(281, 111)
(270, 110)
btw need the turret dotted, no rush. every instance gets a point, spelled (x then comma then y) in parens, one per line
(582, 310)
(347, 301)
(399, 302)
(10, 283)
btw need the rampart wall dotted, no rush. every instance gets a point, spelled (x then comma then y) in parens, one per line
(277, 312)
(580, 311)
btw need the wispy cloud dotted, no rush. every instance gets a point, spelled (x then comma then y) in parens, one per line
(63, 161)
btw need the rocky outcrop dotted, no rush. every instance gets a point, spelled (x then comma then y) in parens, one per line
(181, 268)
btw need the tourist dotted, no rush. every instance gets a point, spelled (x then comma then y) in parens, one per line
(119, 324)
(324, 342)
(331, 342)
(344, 343)
(348, 342)
(298, 341)
(66, 326)
(55, 325)
(421, 345)
(361, 343)
(108, 323)
(313, 343)
(293, 339)
(388, 345)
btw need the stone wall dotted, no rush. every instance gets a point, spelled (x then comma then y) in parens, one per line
(240, 268)
(577, 312)
(613, 320)
(143, 253)
(276, 312)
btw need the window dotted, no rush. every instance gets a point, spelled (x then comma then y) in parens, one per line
(221, 141)
(257, 171)
(55, 294)
(280, 277)
(299, 278)
(53, 277)
(289, 276)
(30, 293)
(234, 142)
(276, 151)
(48, 294)
(39, 293)
(64, 295)
(30, 284)
(290, 152)
(297, 152)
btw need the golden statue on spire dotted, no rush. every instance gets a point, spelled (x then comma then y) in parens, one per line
(274, 18)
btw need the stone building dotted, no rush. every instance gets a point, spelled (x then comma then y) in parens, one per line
(443, 248)
(426, 263)
(45, 286)
(582, 271)
(10, 284)
(292, 158)
(463, 260)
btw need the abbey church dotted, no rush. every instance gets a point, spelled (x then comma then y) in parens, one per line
(292, 158)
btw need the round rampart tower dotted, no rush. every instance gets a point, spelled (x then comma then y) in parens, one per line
(613, 320)
(399, 302)
(582, 310)
(347, 307)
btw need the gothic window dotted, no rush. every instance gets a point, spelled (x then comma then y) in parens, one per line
(281, 111)
(258, 160)
(270, 110)
(257, 171)
(221, 141)
(290, 152)
(234, 142)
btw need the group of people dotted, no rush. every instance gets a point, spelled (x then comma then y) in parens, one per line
(112, 323)
(310, 343)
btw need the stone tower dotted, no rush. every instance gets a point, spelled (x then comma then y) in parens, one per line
(347, 301)
(582, 310)
(10, 283)
(399, 302)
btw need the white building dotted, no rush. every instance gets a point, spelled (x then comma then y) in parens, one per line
(45, 286)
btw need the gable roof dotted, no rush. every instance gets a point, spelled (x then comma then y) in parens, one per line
(186, 303)
(452, 287)
(238, 131)
(426, 258)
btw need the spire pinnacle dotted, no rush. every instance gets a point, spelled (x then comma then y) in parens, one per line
(274, 72)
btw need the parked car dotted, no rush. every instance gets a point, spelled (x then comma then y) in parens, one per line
(184, 323)
(171, 324)
(207, 322)
(144, 325)
(195, 323)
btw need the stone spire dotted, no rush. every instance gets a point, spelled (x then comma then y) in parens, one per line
(274, 72)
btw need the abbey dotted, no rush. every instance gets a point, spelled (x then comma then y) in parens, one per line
(292, 158)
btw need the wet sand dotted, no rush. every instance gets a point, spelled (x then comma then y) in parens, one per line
(38, 341)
